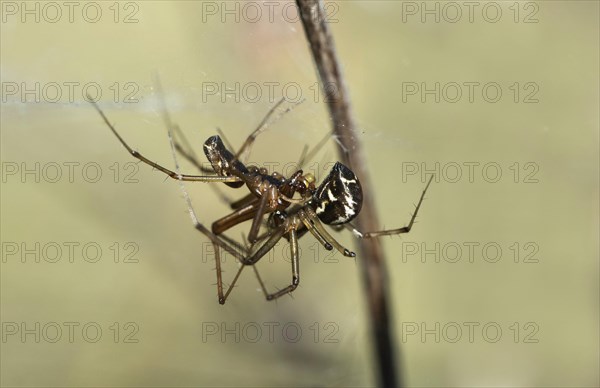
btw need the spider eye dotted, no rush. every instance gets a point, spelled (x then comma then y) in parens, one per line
(339, 198)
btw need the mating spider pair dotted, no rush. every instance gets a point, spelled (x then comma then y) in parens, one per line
(336, 201)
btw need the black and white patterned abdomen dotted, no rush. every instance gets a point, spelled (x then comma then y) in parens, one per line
(339, 198)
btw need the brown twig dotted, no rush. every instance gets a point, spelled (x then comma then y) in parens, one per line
(319, 37)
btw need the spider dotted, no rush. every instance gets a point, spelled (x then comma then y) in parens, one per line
(335, 202)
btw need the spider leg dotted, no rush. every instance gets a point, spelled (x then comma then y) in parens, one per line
(217, 248)
(258, 216)
(260, 281)
(295, 267)
(255, 209)
(233, 243)
(313, 224)
(223, 297)
(307, 156)
(262, 126)
(224, 138)
(218, 243)
(302, 158)
(237, 216)
(245, 148)
(185, 149)
(172, 174)
(273, 239)
(246, 200)
(405, 229)
(309, 226)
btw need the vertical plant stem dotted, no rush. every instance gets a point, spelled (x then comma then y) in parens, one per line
(370, 252)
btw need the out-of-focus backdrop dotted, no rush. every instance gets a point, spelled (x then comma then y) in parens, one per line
(106, 283)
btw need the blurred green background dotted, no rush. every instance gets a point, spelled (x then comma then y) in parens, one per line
(158, 314)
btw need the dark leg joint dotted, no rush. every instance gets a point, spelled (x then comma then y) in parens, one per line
(286, 290)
